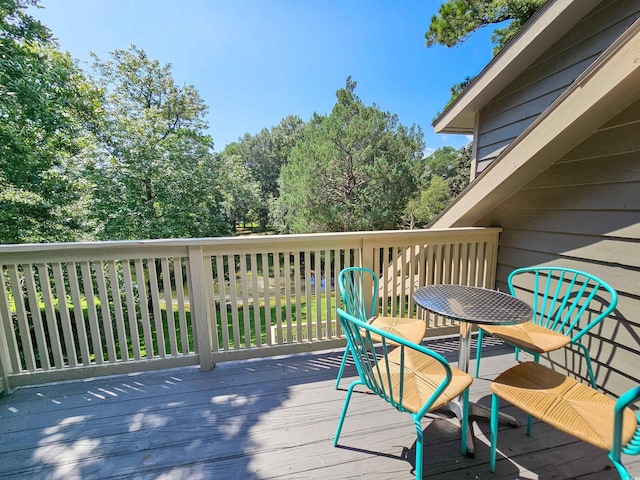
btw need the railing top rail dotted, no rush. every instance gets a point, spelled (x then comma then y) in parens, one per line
(242, 240)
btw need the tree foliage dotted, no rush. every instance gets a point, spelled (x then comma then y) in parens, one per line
(156, 175)
(241, 193)
(444, 176)
(264, 155)
(457, 20)
(351, 171)
(45, 102)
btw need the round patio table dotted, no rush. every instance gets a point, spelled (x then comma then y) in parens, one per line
(472, 305)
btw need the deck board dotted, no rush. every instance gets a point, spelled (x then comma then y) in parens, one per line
(270, 418)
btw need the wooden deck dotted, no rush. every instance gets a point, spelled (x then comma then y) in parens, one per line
(264, 419)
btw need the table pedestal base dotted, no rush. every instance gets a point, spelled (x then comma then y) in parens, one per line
(476, 411)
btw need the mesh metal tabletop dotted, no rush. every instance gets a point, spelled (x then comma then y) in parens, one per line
(473, 304)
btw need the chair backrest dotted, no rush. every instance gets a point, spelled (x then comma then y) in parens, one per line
(568, 301)
(359, 290)
(384, 376)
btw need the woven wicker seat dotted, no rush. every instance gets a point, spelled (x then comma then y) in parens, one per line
(411, 377)
(566, 404)
(529, 336)
(409, 328)
(422, 375)
(566, 304)
(359, 290)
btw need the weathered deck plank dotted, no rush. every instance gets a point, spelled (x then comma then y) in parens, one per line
(264, 419)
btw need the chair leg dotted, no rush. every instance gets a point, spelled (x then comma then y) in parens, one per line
(622, 471)
(344, 410)
(342, 365)
(479, 350)
(494, 432)
(464, 426)
(419, 448)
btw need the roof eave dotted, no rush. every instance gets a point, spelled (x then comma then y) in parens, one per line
(546, 27)
(605, 89)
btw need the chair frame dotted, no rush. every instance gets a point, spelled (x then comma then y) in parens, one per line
(356, 285)
(361, 343)
(561, 312)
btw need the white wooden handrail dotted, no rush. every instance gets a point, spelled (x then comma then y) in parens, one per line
(72, 310)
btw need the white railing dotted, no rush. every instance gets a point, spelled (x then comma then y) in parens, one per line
(83, 309)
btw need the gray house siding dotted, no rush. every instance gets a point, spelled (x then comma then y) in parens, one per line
(584, 213)
(518, 105)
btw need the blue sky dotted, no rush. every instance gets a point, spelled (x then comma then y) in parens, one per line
(256, 61)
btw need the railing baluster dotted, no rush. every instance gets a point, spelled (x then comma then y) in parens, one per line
(106, 312)
(94, 328)
(36, 317)
(222, 302)
(121, 331)
(23, 322)
(11, 343)
(131, 310)
(211, 298)
(78, 314)
(266, 279)
(255, 295)
(168, 300)
(278, 296)
(182, 310)
(154, 295)
(50, 315)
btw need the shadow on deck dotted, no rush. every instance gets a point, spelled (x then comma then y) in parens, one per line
(264, 419)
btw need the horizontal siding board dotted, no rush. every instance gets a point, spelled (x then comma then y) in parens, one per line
(538, 88)
(490, 152)
(621, 279)
(620, 167)
(517, 112)
(613, 196)
(628, 115)
(608, 20)
(619, 140)
(623, 224)
(507, 131)
(613, 251)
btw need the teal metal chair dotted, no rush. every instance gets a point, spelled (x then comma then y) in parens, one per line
(570, 406)
(354, 284)
(411, 377)
(566, 304)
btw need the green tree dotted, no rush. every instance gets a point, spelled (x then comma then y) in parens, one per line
(45, 103)
(351, 171)
(457, 20)
(156, 175)
(445, 174)
(264, 155)
(241, 192)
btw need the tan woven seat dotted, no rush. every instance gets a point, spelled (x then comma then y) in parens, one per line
(408, 328)
(529, 336)
(564, 403)
(423, 374)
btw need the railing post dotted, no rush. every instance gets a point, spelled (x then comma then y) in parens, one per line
(5, 326)
(200, 314)
(366, 260)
